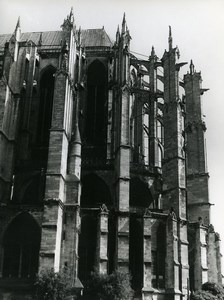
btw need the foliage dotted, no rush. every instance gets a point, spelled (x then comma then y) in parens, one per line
(203, 295)
(214, 288)
(115, 286)
(52, 285)
(209, 291)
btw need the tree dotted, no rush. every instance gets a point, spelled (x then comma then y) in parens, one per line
(209, 291)
(51, 285)
(115, 286)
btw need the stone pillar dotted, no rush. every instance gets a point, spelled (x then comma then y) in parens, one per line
(71, 233)
(147, 290)
(138, 125)
(50, 249)
(153, 142)
(122, 150)
(172, 282)
(123, 169)
(174, 173)
(197, 174)
(55, 178)
(200, 263)
(183, 257)
(102, 241)
(214, 256)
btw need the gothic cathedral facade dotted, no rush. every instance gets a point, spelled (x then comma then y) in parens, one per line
(102, 164)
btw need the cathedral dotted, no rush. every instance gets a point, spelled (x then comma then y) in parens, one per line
(102, 164)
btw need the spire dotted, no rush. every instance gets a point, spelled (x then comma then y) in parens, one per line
(17, 32)
(153, 54)
(170, 39)
(71, 16)
(68, 23)
(123, 24)
(118, 34)
(191, 67)
(17, 24)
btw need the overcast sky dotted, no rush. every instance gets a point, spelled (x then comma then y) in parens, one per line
(198, 30)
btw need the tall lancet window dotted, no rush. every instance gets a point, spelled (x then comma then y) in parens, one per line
(96, 110)
(45, 112)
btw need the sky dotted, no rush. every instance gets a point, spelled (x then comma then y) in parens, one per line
(197, 29)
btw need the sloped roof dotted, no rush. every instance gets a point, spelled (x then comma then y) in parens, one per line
(52, 39)
(95, 38)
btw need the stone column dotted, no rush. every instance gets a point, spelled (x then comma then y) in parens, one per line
(55, 195)
(122, 149)
(214, 256)
(153, 142)
(50, 249)
(102, 241)
(147, 290)
(197, 173)
(172, 282)
(173, 166)
(200, 266)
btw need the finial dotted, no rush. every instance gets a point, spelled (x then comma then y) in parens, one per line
(191, 67)
(40, 39)
(178, 52)
(153, 51)
(123, 23)
(79, 35)
(18, 23)
(170, 39)
(118, 34)
(71, 16)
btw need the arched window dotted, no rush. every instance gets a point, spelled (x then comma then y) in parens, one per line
(160, 132)
(96, 110)
(21, 244)
(160, 156)
(158, 257)
(140, 195)
(45, 113)
(28, 189)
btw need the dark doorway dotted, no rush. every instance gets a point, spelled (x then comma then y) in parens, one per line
(95, 192)
(87, 246)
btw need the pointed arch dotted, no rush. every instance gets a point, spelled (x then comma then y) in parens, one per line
(95, 192)
(21, 244)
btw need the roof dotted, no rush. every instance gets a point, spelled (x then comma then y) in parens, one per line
(95, 38)
(52, 39)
